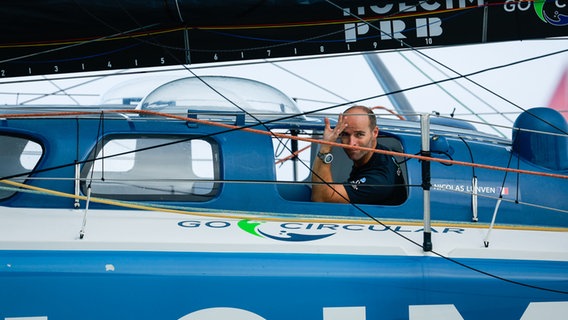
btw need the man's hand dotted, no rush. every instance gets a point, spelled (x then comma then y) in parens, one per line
(331, 135)
(324, 189)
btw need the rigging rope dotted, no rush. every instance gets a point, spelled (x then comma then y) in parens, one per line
(410, 240)
(239, 214)
(466, 77)
(285, 136)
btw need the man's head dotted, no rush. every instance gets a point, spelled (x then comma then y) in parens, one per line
(362, 131)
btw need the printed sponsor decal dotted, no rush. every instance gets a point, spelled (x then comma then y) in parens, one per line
(303, 231)
(469, 188)
(409, 20)
(355, 183)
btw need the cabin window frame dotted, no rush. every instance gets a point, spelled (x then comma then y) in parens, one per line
(293, 173)
(193, 187)
(22, 177)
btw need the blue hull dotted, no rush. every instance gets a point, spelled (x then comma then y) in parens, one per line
(169, 285)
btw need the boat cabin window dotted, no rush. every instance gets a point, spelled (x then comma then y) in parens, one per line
(153, 168)
(293, 166)
(18, 156)
(294, 173)
(292, 158)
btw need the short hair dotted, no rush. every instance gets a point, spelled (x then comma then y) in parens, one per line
(365, 110)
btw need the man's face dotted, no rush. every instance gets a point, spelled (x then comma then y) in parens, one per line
(358, 133)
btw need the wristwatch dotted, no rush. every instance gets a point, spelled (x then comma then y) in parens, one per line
(325, 157)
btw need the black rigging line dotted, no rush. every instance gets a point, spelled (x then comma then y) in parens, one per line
(337, 105)
(470, 153)
(348, 102)
(64, 90)
(466, 77)
(471, 112)
(77, 44)
(353, 204)
(280, 140)
(412, 241)
(380, 222)
(252, 62)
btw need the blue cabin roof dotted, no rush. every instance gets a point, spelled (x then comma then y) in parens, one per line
(175, 162)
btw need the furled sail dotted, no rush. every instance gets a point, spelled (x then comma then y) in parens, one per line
(60, 36)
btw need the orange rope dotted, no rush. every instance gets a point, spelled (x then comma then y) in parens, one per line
(390, 111)
(285, 136)
(295, 154)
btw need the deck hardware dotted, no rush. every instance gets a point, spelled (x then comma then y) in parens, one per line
(426, 180)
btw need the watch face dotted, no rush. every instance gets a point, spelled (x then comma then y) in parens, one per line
(325, 157)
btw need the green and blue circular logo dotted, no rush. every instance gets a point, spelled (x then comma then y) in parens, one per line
(287, 231)
(549, 12)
